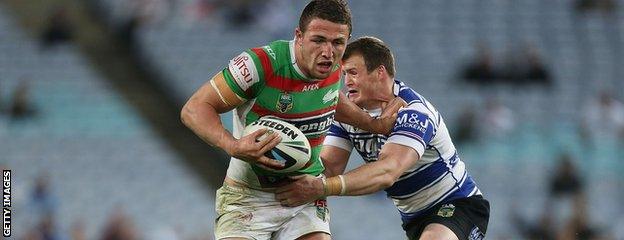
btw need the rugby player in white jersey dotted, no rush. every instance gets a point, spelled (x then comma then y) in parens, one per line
(418, 165)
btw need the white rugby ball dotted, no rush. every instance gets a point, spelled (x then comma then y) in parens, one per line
(294, 149)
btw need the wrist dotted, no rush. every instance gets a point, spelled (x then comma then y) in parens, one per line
(227, 145)
(334, 186)
(324, 187)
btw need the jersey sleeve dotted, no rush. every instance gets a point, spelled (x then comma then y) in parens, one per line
(413, 129)
(337, 136)
(245, 75)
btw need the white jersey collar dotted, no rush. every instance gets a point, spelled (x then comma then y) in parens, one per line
(396, 88)
(293, 59)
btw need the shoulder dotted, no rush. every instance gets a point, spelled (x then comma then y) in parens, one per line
(415, 101)
(251, 66)
(245, 69)
(277, 53)
(410, 115)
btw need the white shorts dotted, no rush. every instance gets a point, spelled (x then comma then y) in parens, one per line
(253, 214)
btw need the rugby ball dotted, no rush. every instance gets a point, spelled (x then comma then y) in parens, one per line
(294, 149)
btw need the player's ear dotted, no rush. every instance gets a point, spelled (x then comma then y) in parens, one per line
(381, 70)
(298, 36)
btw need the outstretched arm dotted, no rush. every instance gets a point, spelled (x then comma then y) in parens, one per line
(394, 159)
(201, 114)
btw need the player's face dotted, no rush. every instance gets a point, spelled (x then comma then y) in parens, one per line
(320, 47)
(362, 87)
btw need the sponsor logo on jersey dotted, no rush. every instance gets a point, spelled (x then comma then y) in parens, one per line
(446, 210)
(312, 125)
(284, 102)
(331, 95)
(243, 69)
(316, 125)
(311, 87)
(414, 120)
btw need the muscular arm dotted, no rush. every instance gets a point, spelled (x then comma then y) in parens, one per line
(201, 114)
(335, 160)
(394, 160)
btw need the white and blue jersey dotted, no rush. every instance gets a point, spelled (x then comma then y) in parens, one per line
(439, 175)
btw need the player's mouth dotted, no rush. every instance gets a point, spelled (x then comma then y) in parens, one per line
(352, 93)
(324, 66)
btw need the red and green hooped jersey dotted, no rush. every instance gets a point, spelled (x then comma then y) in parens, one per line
(272, 84)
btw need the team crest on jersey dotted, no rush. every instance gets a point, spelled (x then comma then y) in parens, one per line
(284, 102)
(446, 210)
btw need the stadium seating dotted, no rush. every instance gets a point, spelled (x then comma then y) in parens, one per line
(98, 153)
(431, 39)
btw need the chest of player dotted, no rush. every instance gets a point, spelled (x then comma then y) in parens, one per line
(310, 107)
(367, 144)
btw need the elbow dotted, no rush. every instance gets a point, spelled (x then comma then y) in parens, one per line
(386, 181)
(390, 171)
(186, 114)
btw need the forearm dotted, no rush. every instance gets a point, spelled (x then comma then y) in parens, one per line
(349, 113)
(206, 123)
(393, 161)
(364, 180)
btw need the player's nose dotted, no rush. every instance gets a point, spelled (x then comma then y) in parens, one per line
(349, 80)
(327, 50)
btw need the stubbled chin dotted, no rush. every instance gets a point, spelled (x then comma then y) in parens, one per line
(321, 75)
(352, 96)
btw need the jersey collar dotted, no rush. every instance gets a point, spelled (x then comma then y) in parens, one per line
(293, 60)
(396, 87)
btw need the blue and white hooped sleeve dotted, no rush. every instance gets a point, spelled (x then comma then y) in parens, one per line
(413, 129)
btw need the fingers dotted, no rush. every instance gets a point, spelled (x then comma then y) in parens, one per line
(392, 107)
(266, 138)
(396, 103)
(280, 190)
(271, 163)
(285, 199)
(297, 177)
(269, 142)
(258, 133)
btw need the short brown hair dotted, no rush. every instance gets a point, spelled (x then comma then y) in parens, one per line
(374, 51)
(335, 11)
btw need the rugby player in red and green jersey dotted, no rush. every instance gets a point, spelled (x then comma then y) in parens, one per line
(297, 81)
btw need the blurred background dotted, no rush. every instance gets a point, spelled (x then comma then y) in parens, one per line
(90, 93)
